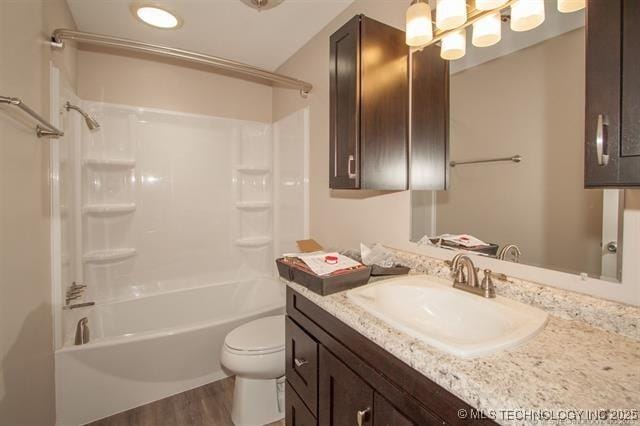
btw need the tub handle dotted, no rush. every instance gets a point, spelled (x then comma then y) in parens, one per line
(300, 362)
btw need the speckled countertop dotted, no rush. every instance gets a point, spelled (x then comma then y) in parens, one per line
(575, 363)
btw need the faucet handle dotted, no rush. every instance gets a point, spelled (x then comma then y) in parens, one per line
(487, 284)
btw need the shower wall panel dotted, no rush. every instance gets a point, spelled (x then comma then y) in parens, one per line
(173, 200)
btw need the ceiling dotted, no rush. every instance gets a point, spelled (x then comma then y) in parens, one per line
(225, 28)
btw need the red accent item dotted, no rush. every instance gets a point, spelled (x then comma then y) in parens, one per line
(331, 260)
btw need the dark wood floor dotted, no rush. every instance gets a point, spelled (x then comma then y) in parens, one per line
(206, 405)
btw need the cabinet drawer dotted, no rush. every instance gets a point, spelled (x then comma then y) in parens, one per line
(302, 364)
(297, 413)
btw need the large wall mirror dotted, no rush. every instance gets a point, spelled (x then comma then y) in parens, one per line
(524, 98)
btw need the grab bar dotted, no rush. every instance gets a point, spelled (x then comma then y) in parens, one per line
(515, 159)
(44, 129)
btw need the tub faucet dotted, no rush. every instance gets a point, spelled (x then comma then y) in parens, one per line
(82, 332)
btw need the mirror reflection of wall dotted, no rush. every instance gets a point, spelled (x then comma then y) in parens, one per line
(525, 97)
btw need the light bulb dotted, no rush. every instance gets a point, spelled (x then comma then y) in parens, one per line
(489, 4)
(487, 31)
(451, 14)
(418, 24)
(527, 14)
(568, 6)
(454, 45)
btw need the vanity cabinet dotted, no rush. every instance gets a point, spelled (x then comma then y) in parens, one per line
(336, 376)
(612, 155)
(369, 101)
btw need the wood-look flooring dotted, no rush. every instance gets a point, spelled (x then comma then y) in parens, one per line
(208, 405)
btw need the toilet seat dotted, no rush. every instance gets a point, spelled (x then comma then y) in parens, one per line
(259, 337)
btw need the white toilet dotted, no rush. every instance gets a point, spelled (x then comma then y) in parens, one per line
(255, 353)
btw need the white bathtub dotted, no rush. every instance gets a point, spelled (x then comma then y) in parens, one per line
(148, 348)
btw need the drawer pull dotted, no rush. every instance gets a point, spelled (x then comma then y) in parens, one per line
(300, 362)
(362, 415)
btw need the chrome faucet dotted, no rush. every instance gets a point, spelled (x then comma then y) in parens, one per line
(469, 282)
(510, 248)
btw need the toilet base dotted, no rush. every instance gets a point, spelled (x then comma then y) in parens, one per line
(257, 402)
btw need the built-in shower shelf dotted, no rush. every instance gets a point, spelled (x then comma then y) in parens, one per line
(253, 205)
(109, 162)
(105, 209)
(253, 170)
(253, 242)
(101, 256)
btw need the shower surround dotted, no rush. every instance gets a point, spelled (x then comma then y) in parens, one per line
(174, 230)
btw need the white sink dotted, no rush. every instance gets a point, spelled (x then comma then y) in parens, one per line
(452, 320)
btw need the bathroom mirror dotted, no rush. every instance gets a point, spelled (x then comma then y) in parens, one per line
(522, 101)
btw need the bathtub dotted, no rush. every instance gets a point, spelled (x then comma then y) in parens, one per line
(148, 348)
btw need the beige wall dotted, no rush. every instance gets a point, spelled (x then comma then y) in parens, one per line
(341, 218)
(531, 103)
(27, 394)
(142, 80)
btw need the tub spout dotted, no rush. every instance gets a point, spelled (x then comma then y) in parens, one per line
(82, 332)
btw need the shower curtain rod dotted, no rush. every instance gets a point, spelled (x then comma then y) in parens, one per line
(61, 34)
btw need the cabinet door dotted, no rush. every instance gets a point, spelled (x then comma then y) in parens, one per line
(630, 145)
(297, 414)
(344, 93)
(429, 166)
(385, 414)
(612, 155)
(344, 398)
(384, 107)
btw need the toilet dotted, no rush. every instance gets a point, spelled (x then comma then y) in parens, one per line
(254, 352)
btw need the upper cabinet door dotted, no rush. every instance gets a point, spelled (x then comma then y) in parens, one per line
(612, 154)
(384, 106)
(344, 94)
(429, 165)
(369, 102)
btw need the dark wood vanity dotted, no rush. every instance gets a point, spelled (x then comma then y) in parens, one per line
(612, 124)
(336, 376)
(369, 110)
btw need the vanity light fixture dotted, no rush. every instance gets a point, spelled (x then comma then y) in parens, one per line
(454, 45)
(419, 29)
(454, 16)
(450, 14)
(487, 31)
(568, 6)
(489, 4)
(156, 16)
(527, 14)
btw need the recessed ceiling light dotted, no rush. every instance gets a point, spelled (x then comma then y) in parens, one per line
(156, 16)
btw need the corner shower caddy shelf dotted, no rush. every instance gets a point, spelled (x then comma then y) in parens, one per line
(113, 255)
(252, 170)
(105, 209)
(97, 162)
(253, 205)
(253, 242)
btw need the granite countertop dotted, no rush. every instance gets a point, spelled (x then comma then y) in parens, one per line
(571, 364)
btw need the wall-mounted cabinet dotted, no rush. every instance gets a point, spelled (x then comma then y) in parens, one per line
(370, 92)
(612, 149)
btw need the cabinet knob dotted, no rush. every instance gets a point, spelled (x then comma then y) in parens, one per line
(362, 415)
(601, 140)
(300, 362)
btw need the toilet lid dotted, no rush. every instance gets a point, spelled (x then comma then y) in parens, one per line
(263, 334)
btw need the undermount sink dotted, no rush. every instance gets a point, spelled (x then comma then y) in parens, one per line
(454, 321)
